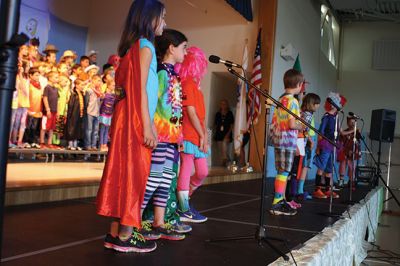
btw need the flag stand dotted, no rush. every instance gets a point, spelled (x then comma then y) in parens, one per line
(261, 232)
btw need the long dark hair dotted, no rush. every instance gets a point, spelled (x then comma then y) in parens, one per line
(139, 23)
(168, 37)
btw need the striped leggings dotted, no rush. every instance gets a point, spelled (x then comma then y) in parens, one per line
(161, 174)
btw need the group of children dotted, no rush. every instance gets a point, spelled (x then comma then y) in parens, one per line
(159, 122)
(294, 146)
(69, 102)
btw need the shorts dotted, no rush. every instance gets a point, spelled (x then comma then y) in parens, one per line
(309, 155)
(49, 123)
(284, 159)
(323, 161)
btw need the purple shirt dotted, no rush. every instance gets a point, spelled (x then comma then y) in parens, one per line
(52, 97)
(327, 128)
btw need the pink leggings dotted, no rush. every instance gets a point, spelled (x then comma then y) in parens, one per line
(194, 181)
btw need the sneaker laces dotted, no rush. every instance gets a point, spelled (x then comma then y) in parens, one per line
(138, 236)
(146, 225)
(168, 226)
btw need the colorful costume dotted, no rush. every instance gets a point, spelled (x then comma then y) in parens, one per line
(127, 167)
(161, 185)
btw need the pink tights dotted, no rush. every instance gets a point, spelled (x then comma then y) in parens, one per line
(187, 182)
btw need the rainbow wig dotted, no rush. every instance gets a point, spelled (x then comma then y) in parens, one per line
(194, 66)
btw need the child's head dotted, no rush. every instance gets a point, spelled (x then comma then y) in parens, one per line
(23, 52)
(338, 99)
(194, 66)
(76, 70)
(145, 20)
(111, 87)
(84, 61)
(51, 57)
(171, 46)
(52, 76)
(293, 81)
(63, 68)
(64, 81)
(80, 84)
(310, 102)
(34, 74)
(96, 81)
(33, 51)
(114, 60)
(351, 121)
(108, 75)
(92, 70)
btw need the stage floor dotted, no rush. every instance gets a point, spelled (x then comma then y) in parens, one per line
(70, 232)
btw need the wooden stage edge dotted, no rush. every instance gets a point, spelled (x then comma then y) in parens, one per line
(28, 187)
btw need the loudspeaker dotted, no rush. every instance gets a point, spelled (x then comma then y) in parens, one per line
(382, 125)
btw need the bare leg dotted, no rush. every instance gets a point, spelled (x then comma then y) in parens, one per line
(125, 231)
(114, 228)
(50, 137)
(159, 213)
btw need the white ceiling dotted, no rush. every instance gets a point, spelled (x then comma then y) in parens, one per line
(367, 10)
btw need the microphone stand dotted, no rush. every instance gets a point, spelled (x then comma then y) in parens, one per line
(353, 158)
(261, 232)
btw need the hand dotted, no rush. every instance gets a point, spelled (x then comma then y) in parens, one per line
(201, 146)
(149, 139)
(205, 148)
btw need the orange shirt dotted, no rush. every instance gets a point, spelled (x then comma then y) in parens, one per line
(192, 96)
(35, 98)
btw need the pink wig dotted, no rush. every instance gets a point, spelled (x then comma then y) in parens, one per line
(194, 66)
(114, 60)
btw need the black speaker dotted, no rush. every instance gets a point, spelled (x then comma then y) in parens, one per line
(383, 123)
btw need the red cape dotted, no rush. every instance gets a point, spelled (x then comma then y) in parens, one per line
(127, 167)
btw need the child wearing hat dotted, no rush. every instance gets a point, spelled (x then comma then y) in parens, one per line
(324, 157)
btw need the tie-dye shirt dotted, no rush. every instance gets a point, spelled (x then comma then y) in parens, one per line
(284, 137)
(168, 116)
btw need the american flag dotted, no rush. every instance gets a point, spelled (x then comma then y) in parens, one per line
(254, 106)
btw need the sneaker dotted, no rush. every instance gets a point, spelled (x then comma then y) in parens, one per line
(27, 145)
(148, 232)
(12, 145)
(166, 233)
(334, 195)
(197, 217)
(109, 241)
(181, 228)
(282, 208)
(294, 205)
(319, 194)
(135, 243)
(43, 146)
(307, 195)
(78, 148)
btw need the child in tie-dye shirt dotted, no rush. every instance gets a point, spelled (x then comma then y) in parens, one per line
(284, 130)
(171, 49)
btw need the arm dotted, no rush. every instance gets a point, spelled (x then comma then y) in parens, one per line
(346, 132)
(194, 119)
(293, 124)
(46, 106)
(149, 140)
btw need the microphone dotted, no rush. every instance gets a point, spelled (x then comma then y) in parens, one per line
(334, 104)
(353, 115)
(216, 60)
